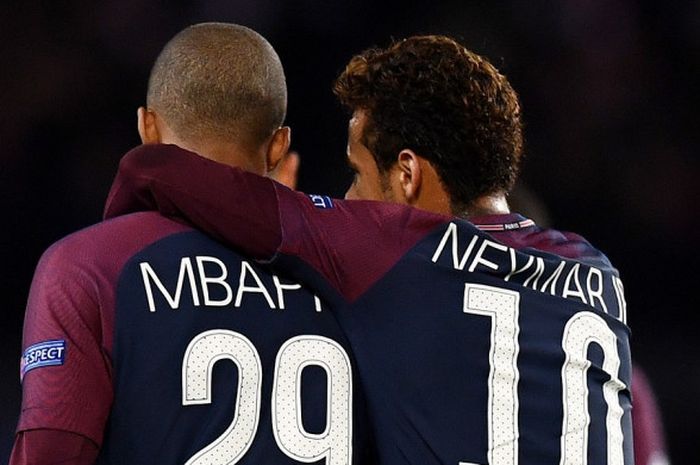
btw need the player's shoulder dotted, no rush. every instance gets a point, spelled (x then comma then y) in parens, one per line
(523, 234)
(111, 241)
(391, 219)
(570, 245)
(353, 225)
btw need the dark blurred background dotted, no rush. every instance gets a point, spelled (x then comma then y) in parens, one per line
(610, 103)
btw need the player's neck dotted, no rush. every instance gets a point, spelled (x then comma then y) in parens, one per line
(228, 154)
(486, 205)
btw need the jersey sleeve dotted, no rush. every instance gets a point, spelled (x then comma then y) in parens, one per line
(66, 375)
(349, 243)
(52, 447)
(222, 201)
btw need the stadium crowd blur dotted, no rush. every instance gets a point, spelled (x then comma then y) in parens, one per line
(609, 97)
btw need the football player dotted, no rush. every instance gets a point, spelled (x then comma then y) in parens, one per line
(146, 342)
(490, 340)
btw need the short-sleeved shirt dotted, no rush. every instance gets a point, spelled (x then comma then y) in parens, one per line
(163, 346)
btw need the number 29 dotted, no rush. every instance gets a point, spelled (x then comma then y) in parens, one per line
(334, 444)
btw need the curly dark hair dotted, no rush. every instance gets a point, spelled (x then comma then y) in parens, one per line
(449, 105)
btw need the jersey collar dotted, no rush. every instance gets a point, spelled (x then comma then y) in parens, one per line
(508, 222)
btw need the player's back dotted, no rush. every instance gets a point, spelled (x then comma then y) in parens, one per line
(472, 352)
(470, 349)
(205, 356)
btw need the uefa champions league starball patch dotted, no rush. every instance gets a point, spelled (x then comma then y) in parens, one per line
(43, 354)
(321, 201)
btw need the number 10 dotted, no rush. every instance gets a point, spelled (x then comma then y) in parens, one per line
(503, 307)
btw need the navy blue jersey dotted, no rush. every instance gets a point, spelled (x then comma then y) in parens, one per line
(163, 346)
(466, 363)
(502, 347)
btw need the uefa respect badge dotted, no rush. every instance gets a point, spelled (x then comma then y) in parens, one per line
(43, 354)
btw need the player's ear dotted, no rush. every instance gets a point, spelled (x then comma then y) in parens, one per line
(278, 147)
(147, 127)
(410, 175)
